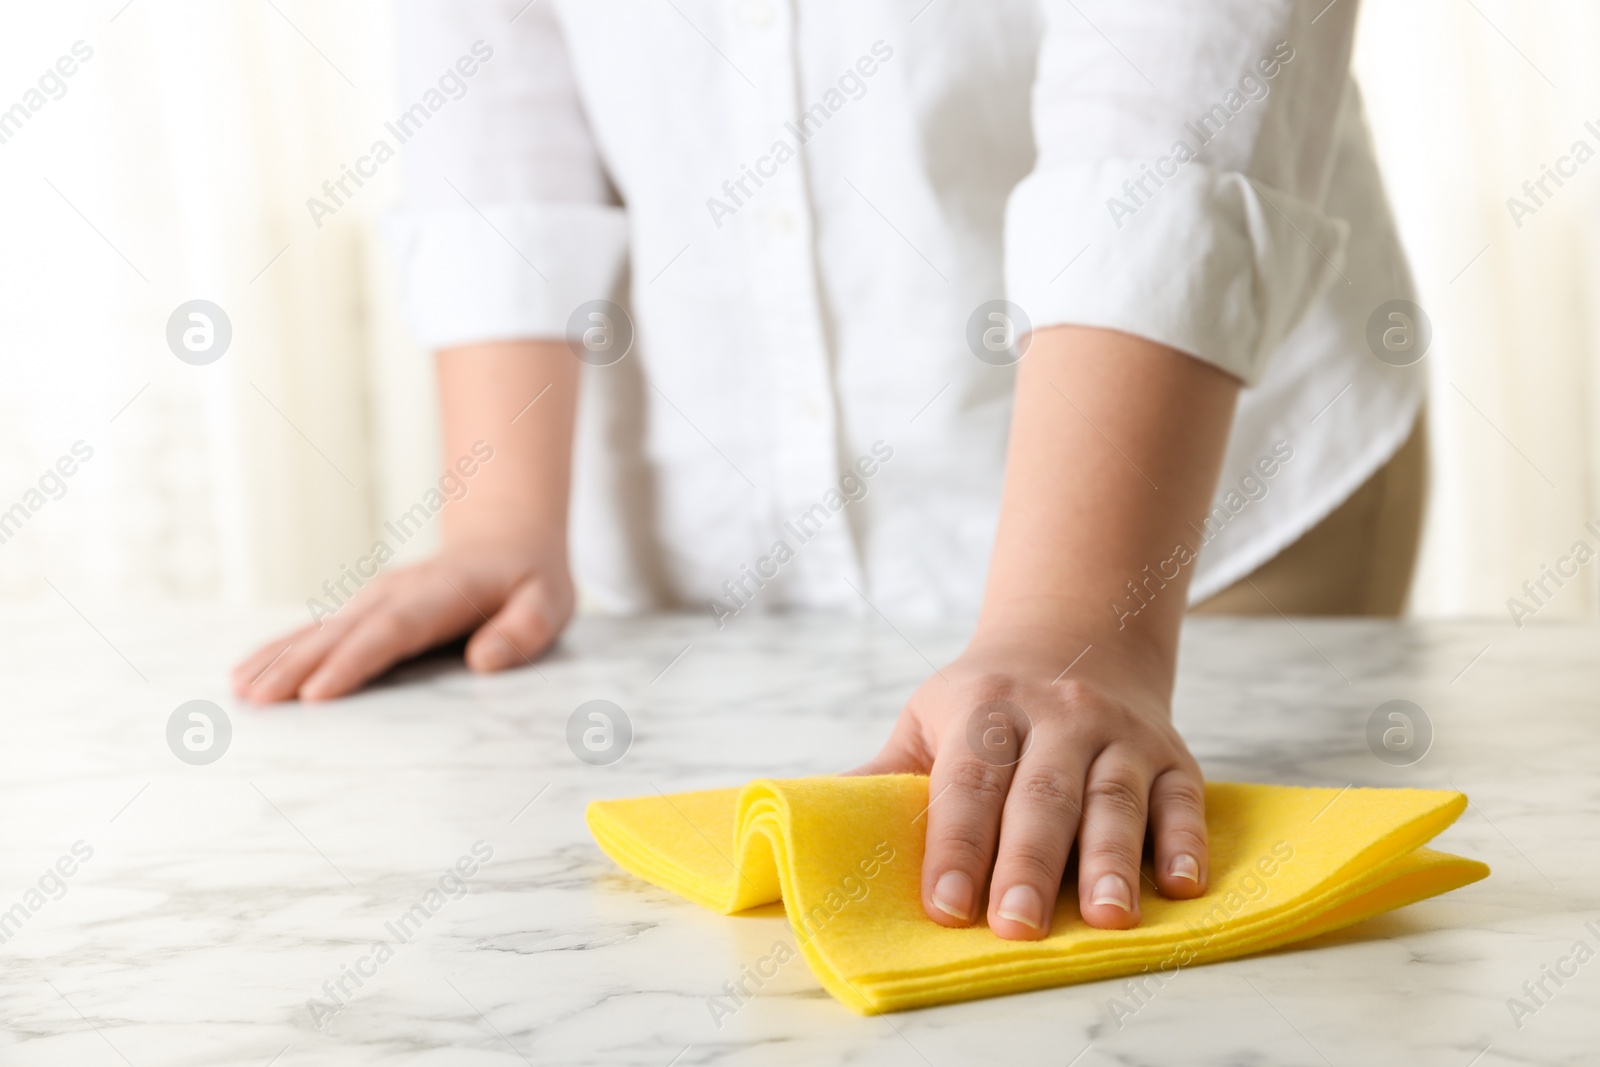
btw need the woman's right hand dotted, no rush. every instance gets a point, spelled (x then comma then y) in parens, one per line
(502, 574)
(513, 603)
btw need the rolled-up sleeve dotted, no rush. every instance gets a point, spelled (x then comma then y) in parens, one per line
(509, 220)
(1183, 154)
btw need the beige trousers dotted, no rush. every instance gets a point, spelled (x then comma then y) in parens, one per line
(1357, 561)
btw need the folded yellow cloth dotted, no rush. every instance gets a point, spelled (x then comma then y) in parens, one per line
(845, 856)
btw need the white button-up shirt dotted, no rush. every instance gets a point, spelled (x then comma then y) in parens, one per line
(810, 211)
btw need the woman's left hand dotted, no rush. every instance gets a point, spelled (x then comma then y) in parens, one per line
(1024, 760)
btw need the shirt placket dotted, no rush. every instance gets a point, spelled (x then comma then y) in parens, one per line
(780, 245)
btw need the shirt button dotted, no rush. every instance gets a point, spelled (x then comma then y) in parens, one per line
(781, 220)
(757, 13)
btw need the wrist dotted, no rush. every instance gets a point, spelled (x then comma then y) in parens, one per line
(1054, 635)
(505, 530)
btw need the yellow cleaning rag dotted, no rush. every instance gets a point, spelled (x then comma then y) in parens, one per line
(845, 856)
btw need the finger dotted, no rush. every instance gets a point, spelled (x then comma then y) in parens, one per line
(889, 761)
(1042, 812)
(247, 670)
(518, 632)
(1116, 797)
(903, 753)
(966, 792)
(296, 656)
(1178, 825)
(426, 617)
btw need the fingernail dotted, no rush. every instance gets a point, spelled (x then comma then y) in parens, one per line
(1021, 904)
(1185, 867)
(952, 894)
(1111, 889)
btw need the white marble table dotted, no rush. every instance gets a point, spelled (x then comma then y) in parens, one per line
(219, 898)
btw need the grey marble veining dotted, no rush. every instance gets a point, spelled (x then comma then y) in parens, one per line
(219, 899)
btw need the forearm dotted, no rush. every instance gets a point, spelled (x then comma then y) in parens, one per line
(1115, 447)
(520, 398)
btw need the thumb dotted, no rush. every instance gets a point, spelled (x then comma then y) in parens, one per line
(524, 626)
(898, 756)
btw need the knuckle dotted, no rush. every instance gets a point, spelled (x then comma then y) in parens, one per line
(1117, 792)
(1046, 789)
(369, 596)
(979, 780)
(965, 841)
(1035, 861)
(1182, 792)
(994, 685)
(410, 613)
(530, 623)
(1077, 693)
(1183, 839)
(1092, 713)
(388, 628)
(1117, 851)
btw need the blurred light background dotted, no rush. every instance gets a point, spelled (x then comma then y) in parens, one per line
(175, 164)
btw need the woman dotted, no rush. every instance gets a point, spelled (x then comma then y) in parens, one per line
(805, 249)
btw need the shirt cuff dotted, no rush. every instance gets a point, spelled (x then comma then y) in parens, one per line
(515, 270)
(1205, 262)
